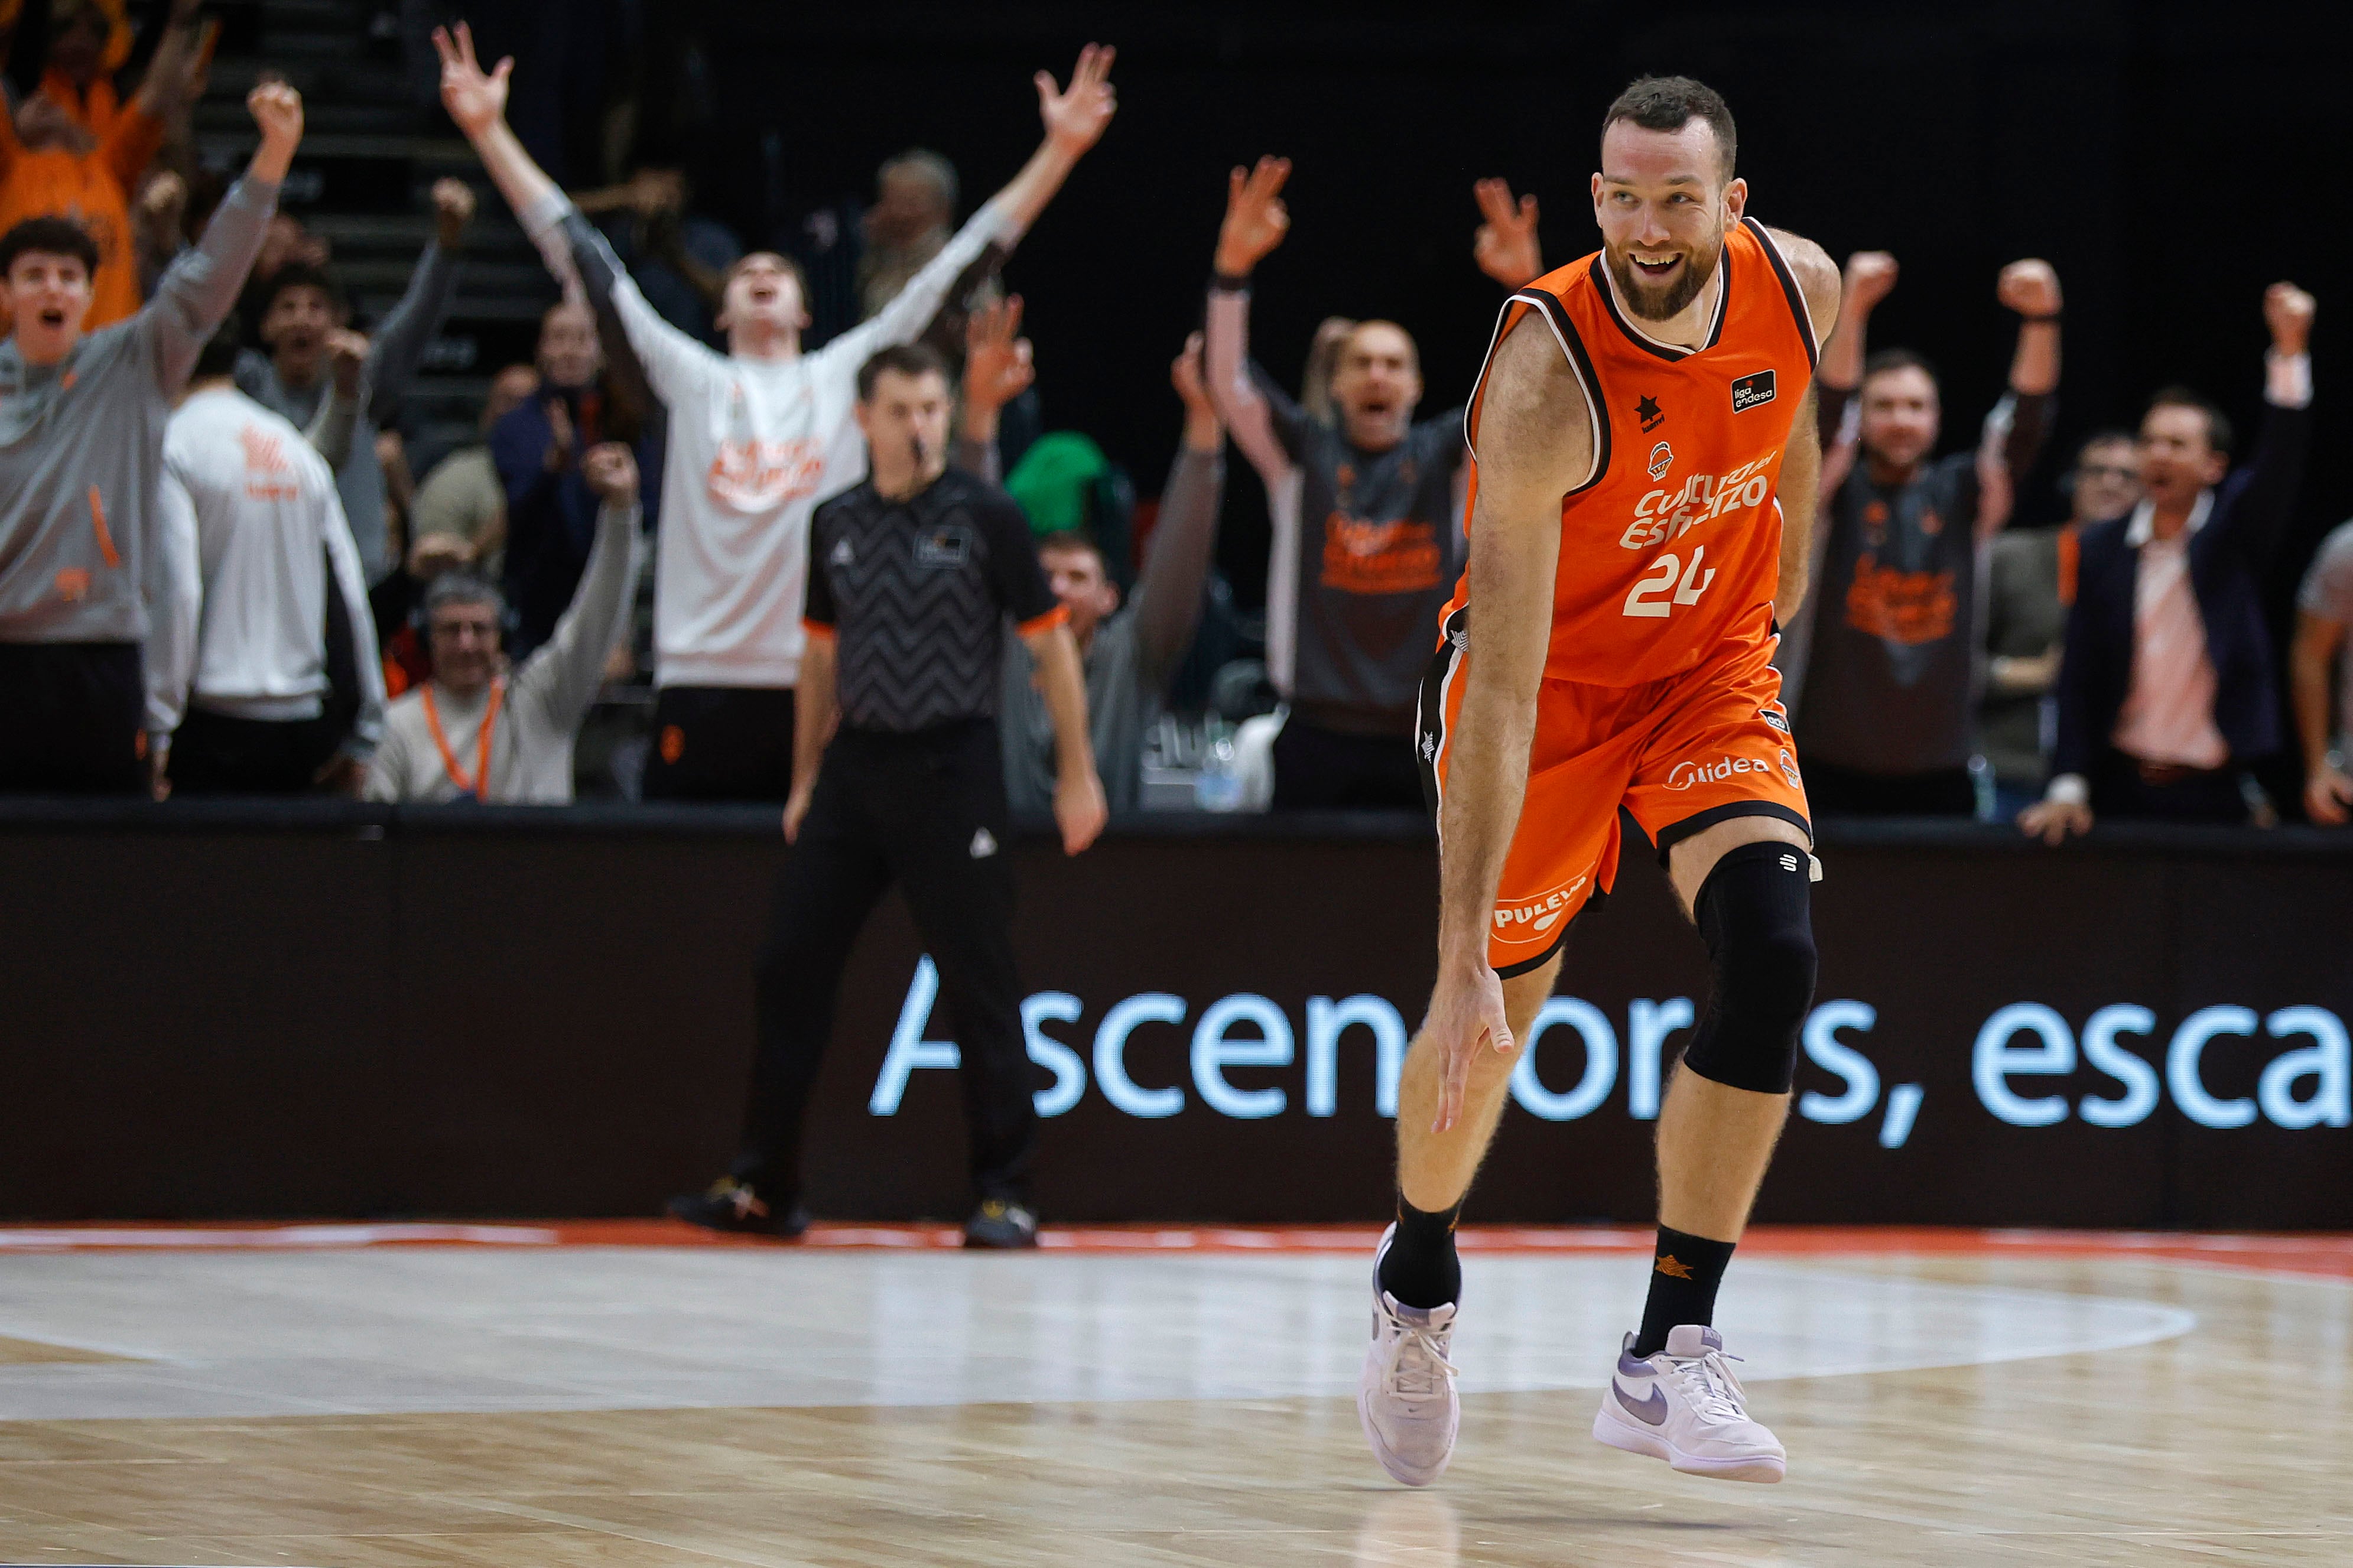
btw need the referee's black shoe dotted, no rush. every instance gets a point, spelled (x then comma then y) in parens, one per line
(1001, 1225)
(729, 1204)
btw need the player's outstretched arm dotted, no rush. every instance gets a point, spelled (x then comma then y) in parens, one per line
(1536, 444)
(1075, 119)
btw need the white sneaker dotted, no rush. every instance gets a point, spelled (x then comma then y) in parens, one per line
(1683, 1405)
(1406, 1398)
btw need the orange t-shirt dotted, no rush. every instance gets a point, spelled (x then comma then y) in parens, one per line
(1671, 551)
(88, 188)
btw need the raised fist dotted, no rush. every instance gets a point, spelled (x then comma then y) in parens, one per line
(2030, 288)
(1869, 277)
(453, 209)
(347, 353)
(277, 109)
(2287, 312)
(1256, 219)
(611, 470)
(1184, 375)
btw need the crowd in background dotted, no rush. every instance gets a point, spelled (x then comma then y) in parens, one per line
(328, 605)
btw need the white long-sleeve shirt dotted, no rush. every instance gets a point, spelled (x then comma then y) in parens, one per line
(247, 509)
(753, 446)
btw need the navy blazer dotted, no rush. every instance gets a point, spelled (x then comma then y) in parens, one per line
(2228, 559)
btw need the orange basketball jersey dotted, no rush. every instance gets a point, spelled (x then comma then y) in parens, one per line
(1671, 550)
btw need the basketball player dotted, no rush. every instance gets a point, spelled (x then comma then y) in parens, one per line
(1644, 424)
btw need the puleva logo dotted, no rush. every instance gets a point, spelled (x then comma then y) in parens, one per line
(1687, 774)
(1523, 920)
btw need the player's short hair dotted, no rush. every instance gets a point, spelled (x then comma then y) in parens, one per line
(1885, 359)
(218, 356)
(791, 265)
(909, 360)
(1071, 539)
(302, 275)
(50, 236)
(2219, 434)
(463, 588)
(1672, 102)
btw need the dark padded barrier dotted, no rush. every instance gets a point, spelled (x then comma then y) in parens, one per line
(232, 1010)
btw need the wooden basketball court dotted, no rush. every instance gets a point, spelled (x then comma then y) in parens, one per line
(626, 1395)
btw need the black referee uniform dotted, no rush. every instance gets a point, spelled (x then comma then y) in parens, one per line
(916, 594)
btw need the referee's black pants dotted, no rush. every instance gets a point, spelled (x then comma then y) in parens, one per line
(927, 811)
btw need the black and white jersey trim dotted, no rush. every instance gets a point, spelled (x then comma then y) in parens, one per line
(1789, 289)
(1572, 347)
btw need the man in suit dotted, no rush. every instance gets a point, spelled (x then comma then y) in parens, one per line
(2166, 691)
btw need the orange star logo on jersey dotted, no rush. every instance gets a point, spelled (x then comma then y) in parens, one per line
(1674, 1269)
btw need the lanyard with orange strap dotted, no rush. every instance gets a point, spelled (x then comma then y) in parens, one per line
(479, 785)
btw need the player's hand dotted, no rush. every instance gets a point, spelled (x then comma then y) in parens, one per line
(475, 99)
(1186, 375)
(2287, 312)
(1075, 119)
(796, 810)
(561, 436)
(998, 362)
(277, 109)
(2052, 820)
(342, 773)
(1256, 219)
(611, 470)
(347, 353)
(453, 209)
(1506, 247)
(2030, 288)
(1466, 1016)
(1079, 810)
(2328, 795)
(1869, 277)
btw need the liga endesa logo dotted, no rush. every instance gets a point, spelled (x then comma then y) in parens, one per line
(1687, 772)
(1524, 921)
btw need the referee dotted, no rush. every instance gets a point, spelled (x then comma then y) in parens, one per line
(912, 578)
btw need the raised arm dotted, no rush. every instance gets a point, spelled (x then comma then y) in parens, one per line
(1075, 121)
(2265, 500)
(672, 361)
(1168, 593)
(1255, 223)
(1869, 277)
(1537, 445)
(564, 676)
(400, 338)
(999, 366)
(1505, 245)
(201, 287)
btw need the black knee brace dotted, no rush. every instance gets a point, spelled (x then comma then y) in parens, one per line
(1754, 911)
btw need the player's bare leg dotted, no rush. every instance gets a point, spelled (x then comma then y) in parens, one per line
(1406, 1397)
(1675, 1397)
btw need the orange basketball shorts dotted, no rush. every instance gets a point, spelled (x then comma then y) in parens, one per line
(1678, 756)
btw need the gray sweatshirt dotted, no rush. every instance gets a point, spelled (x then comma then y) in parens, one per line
(395, 351)
(1134, 653)
(81, 445)
(547, 696)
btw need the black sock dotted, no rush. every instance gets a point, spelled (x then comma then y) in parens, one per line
(1421, 1268)
(1684, 1278)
